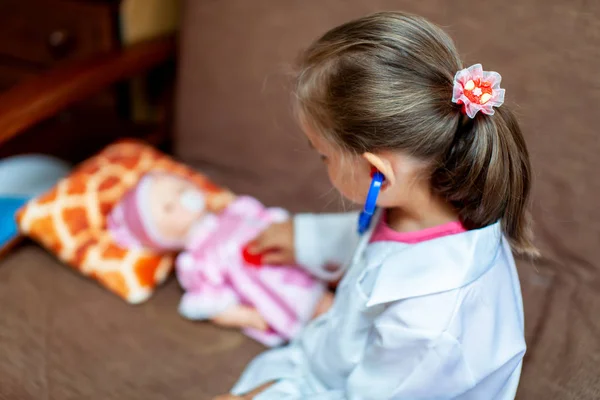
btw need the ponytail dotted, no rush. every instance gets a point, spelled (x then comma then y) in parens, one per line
(486, 175)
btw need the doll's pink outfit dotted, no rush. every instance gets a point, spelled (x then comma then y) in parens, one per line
(215, 276)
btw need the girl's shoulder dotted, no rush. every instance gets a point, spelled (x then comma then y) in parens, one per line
(429, 284)
(402, 271)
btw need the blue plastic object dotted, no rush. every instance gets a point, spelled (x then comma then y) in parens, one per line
(22, 178)
(8, 208)
(30, 175)
(364, 219)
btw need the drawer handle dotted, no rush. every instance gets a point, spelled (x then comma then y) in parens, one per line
(60, 43)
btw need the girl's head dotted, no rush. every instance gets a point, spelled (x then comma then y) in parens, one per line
(377, 91)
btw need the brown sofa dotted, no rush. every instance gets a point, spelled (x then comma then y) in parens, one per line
(63, 337)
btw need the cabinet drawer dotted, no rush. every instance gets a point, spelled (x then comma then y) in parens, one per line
(44, 31)
(13, 74)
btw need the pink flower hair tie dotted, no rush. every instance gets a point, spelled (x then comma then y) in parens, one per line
(477, 90)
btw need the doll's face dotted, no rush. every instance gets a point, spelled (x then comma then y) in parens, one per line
(175, 204)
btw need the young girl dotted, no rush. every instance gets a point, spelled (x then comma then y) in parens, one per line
(429, 306)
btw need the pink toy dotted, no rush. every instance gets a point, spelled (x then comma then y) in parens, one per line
(222, 280)
(157, 213)
(254, 260)
(215, 275)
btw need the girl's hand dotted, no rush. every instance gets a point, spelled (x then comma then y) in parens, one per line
(324, 304)
(276, 244)
(241, 316)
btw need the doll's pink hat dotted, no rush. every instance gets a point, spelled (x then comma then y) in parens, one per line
(130, 222)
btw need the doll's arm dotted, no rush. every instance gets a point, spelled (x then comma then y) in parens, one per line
(206, 292)
(207, 301)
(211, 298)
(245, 206)
(241, 316)
(221, 306)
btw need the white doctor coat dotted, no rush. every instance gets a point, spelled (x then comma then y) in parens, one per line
(441, 319)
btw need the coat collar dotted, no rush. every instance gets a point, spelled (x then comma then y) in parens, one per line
(434, 266)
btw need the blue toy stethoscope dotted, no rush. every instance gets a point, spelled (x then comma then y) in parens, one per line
(366, 215)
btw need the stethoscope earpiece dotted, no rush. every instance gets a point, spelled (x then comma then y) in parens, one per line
(364, 219)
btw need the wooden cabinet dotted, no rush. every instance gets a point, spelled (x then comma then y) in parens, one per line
(38, 34)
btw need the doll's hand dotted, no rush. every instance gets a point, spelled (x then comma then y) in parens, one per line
(240, 316)
(247, 396)
(275, 244)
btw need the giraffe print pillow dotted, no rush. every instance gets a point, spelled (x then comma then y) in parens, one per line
(70, 219)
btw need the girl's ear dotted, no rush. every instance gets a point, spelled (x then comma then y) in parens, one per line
(382, 164)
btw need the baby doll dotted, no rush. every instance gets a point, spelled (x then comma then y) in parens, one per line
(271, 304)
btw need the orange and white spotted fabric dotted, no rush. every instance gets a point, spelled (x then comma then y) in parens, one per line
(70, 219)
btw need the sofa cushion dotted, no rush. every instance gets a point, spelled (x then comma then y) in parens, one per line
(70, 219)
(234, 120)
(63, 337)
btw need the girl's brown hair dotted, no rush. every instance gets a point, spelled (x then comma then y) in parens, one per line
(384, 82)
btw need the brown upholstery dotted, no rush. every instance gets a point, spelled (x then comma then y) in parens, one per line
(62, 337)
(234, 95)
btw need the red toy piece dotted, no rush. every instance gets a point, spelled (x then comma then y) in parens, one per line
(253, 260)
